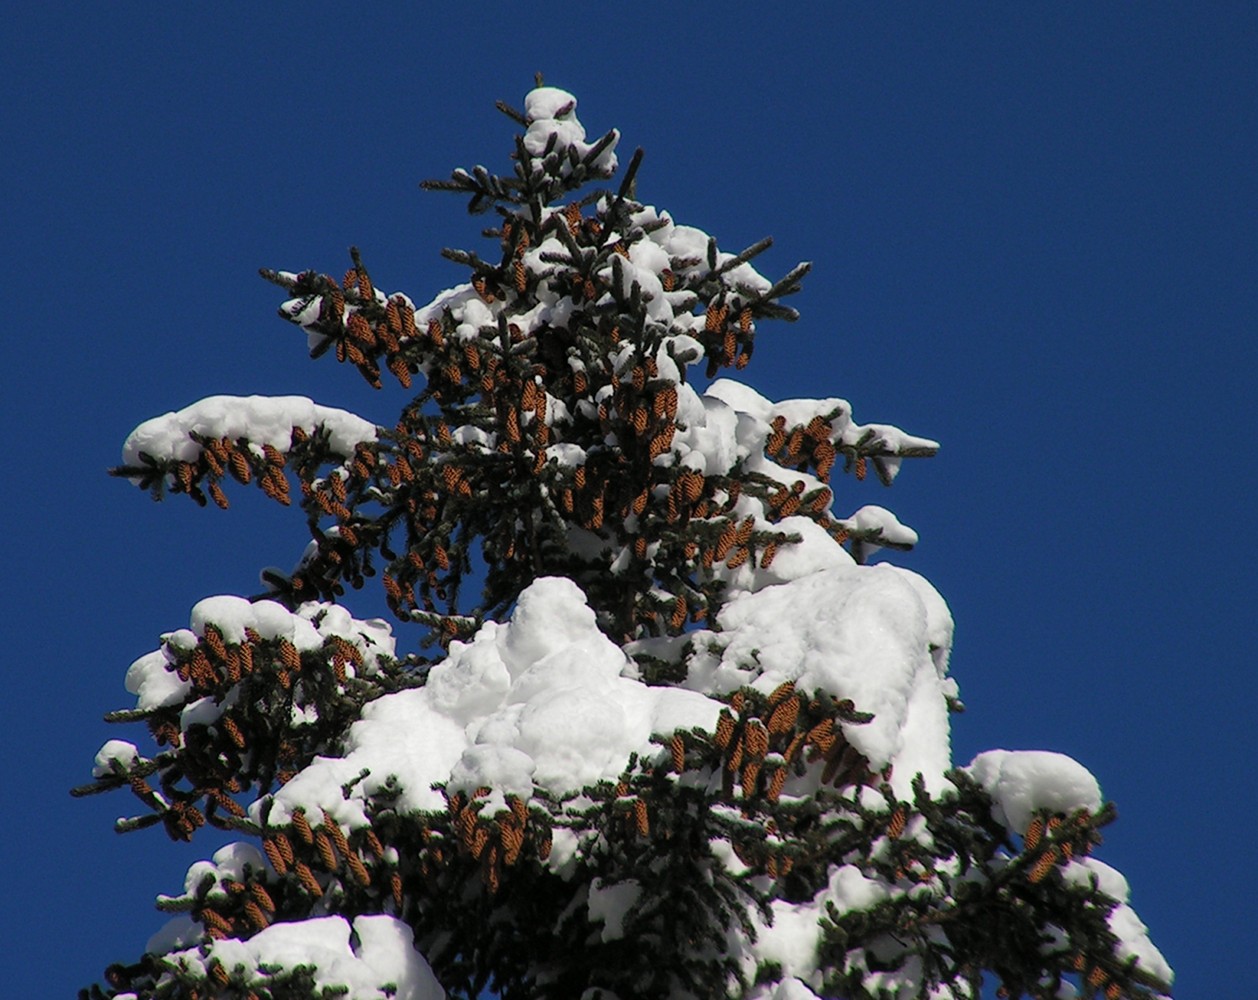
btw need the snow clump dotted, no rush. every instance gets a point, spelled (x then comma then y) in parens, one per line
(554, 126)
(544, 701)
(371, 959)
(262, 420)
(878, 635)
(1024, 782)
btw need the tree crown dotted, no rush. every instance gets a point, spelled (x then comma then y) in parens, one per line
(685, 743)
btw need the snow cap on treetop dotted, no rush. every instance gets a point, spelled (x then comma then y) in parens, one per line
(551, 114)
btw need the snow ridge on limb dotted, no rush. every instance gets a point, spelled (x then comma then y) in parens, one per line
(686, 745)
(371, 958)
(238, 436)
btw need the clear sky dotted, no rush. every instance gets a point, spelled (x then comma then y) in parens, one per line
(1035, 236)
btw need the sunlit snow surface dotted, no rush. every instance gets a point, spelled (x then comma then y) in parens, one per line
(540, 702)
(878, 634)
(1023, 782)
(373, 956)
(262, 420)
(154, 682)
(1132, 934)
(548, 702)
(552, 113)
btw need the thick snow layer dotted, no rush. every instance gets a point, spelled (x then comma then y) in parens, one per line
(707, 431)
(874, 634)
(261, 420)
(544, 701)
(1025, 781)
(815, 551)
(153, 681)
(307, 628)
(374, 957)
(793, 939)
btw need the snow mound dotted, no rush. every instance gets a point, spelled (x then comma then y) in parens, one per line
(230, 863)
(120, 751)
(875, 634)
(543, 701)
(882, 526)
(1026, 781)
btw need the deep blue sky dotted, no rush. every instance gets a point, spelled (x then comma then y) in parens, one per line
(1034, 231)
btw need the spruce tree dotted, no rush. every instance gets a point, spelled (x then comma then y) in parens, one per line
(657, 726)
